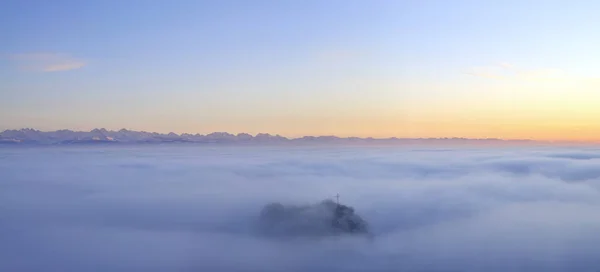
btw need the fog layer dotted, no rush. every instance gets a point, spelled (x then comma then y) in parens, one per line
(193, 208)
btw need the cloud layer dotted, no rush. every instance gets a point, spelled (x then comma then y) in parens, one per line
(182, 208)
(46, 62)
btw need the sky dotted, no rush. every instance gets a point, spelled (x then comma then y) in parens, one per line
(476, 69)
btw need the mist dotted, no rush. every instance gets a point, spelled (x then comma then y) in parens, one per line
(195, 208)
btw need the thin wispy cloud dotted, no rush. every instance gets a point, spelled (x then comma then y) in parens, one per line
(543, 74)
(506, 65)
(46, 62)
(505, 70)
(493, 72)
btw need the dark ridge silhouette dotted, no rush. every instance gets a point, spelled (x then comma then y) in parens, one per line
(32, 136)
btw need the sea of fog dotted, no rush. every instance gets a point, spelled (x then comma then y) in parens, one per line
(193, 208)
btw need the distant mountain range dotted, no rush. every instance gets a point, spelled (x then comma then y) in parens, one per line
(103, 136)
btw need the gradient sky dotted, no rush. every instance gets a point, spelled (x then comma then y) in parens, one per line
(505, 69)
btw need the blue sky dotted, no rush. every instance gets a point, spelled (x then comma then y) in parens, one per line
(366, 68)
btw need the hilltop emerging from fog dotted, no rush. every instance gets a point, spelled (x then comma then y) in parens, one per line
(95, 136)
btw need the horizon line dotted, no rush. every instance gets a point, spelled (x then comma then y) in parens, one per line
(301, 137)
